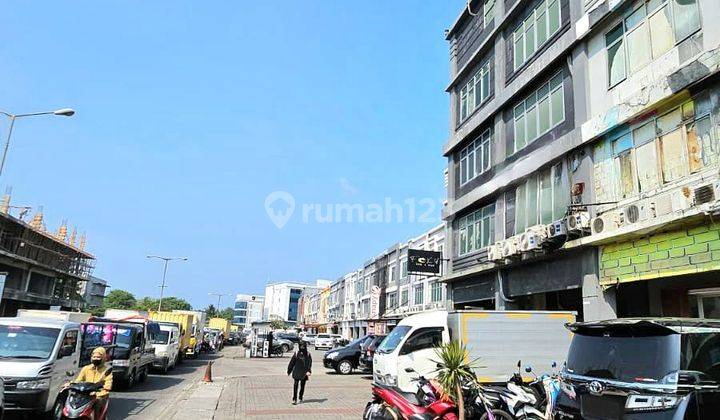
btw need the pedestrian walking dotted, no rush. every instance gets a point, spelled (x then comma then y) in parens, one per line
(300, 367)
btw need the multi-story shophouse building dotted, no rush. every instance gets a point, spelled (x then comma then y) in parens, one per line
(408, 293)
(377, 296)
(583, 156)
(335, 306)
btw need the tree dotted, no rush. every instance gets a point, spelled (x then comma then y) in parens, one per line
(226, 313)
(168, 304)
(146, 304)
(172, 303)
(211, 312)
(119, 299)
(454, 370)
(277, 324)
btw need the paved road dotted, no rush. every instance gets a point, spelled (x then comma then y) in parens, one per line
(149, 399)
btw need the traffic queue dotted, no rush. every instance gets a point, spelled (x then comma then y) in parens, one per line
(63, 364)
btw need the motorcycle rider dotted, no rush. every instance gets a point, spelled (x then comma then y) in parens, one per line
(97, 372)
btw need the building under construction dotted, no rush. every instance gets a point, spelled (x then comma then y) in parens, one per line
(39, 269)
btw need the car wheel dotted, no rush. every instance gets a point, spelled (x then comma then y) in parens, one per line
(130, 380)
(142, 377)
(345, 367)
(285, 348)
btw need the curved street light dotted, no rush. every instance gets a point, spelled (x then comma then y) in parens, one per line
(162, 286)
(63, 112)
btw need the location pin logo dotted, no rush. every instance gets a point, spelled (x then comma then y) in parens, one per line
(279, 206)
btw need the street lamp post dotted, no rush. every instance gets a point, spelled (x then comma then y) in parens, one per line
(162, 286)
(64, 112)
(219, 295)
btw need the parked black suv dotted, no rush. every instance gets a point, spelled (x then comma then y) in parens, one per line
(368, 351)
(647, 368)
(345, 359)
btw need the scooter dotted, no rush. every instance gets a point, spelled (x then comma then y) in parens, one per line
(80, 404)
(390, 402)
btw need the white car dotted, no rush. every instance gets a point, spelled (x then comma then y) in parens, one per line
(325, 341)
(167, 346)
(309, 338)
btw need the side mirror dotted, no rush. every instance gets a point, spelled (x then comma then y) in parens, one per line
(528, 369)
(409, 370)
(439, 366)
(519, 363)
(554, 364)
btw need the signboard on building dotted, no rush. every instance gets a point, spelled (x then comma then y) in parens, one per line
(375, 302)
(421, 261)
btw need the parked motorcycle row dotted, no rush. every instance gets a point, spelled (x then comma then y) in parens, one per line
(518, 399)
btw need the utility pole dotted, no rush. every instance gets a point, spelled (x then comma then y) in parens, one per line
(219, 295)
(162, 286)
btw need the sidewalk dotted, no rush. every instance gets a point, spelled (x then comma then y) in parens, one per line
(260, 389)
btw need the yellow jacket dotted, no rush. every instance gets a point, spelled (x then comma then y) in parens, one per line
(100, 374)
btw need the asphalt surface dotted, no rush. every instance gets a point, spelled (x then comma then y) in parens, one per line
(147, 400)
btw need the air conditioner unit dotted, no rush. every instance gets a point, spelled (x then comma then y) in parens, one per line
(533, 238)
(681, 199)
(638, 212)
(495, 252)
(577, 222)
(556, 230)
(706, 194)
(605, 223)
(510, 247)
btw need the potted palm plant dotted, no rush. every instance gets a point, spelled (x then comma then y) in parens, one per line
(453, 369)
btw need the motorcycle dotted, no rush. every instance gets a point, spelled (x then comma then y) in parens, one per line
(531, 400)
(390, 402)
(81, 404)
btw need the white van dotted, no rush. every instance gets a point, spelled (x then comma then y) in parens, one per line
(497, 338)
(167, 345)
(37, 357)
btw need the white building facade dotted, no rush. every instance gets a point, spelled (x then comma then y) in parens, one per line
(282, 299)
(248, 309)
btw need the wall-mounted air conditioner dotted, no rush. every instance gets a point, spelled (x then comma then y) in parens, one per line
(638, 212)
(495, 252)
(557, 230)
(533, 238)
(606, 222)
(510, 247)
(577, 223)
(681, 199)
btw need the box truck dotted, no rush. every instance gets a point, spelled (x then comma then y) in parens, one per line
(196, 331)
(184, 323)
(221, 324)
(499, 339)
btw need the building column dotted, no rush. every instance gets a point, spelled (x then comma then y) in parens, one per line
(597, 303)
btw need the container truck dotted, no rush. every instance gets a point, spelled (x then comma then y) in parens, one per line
(196, 332)
(184, 322)
(499, 339)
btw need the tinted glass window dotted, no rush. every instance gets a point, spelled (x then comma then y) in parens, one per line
(700, 357)
(646, 359)
(393, 339)
(421, 339)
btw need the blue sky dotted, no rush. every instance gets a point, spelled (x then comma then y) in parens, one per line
(189, 114)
